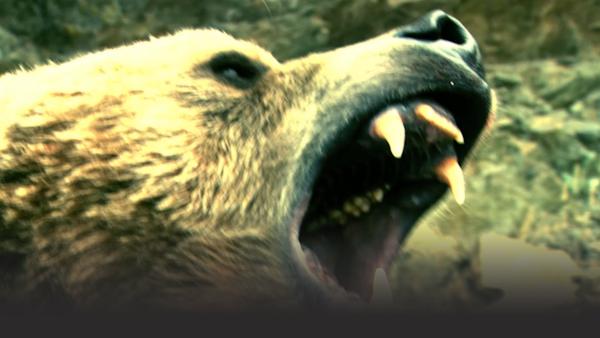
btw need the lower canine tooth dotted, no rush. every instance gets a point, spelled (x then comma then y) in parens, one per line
(449, 172)
(382, 293)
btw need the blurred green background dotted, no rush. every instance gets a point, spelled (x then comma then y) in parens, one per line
(534, 184)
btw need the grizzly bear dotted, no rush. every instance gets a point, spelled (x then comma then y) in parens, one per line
(195, 171)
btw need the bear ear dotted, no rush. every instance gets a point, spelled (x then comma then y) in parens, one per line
(236, 69)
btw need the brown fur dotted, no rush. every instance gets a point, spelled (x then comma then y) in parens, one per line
(113, 161)
(136, 176)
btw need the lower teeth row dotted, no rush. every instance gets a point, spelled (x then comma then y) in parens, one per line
(354, 207)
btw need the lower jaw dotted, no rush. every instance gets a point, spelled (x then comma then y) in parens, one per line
(351, 255)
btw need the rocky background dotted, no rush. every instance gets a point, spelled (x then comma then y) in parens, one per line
(529, 234)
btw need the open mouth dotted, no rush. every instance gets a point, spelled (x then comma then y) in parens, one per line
(374, 186)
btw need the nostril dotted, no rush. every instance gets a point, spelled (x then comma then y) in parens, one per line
(421, 35)
(451, 31)
(444, 28)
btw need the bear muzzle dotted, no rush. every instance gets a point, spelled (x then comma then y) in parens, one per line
(393, 161)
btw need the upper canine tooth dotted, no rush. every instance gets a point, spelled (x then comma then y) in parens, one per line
(449, 172)
(428, 114)
(388, 126)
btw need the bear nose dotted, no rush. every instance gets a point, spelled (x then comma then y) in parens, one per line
(449, 35)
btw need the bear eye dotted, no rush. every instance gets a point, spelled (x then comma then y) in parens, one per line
(236, 69)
